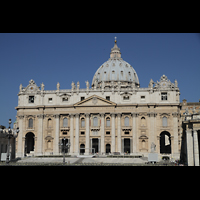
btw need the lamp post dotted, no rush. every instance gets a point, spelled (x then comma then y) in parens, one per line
(65, 146)
(10, 134)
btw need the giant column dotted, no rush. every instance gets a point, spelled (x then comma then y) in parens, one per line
(71, 133)
(40, 134)
(113, 133)
(119, 148)
(102, 134)
(152, 116)
(56, 140)
(87, 134)
(77, 135)
(134, 131)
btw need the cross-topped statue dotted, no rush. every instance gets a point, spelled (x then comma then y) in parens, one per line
(115, 39)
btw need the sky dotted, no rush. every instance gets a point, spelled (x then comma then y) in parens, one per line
(67, 57)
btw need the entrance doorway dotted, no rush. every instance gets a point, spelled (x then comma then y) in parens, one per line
(127, 145)
(64, 147)
(95, 144)
(82, 149)
(29, 142)
(165, 142)
(107, 148)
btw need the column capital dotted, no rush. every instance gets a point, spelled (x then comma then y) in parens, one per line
(57, 116)
(189, 131)
(134, 114)
(77, 114)
(152, 114)
(71, 115)
(20, 116)
(119, 114)
(87, 114)
(102, 114)
(175, 114)
(41, 116)
(112, 114)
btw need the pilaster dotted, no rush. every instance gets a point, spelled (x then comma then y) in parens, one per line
(87, 134)
(56, 141)
(134, 131)
(119, 132)
(40, 135)
(113, 133)
(77, 135)
(71, 133)
(102, 133)
(152, 116)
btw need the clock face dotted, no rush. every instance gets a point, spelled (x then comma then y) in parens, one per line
(164, 84)
(31, 88)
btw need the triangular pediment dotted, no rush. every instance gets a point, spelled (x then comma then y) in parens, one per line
(94, 101)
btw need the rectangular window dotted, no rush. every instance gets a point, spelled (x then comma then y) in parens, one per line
(30, 123)
(108, 98)
(82, 98)
(126, 121)
(142, 97)
(164, 121)
(82, 133)
(126, 97)
(50, 100)
(31, 99)
(164, 96)
(64, 132)
(95, 121)
(108, 122)
(107, 132)
(82, 123)
(64, 99)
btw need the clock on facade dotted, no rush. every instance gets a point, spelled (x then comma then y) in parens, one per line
(164, 84)
(31, 88)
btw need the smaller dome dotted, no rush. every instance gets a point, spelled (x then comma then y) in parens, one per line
(115, 70)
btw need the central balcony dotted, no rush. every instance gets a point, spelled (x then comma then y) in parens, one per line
(95, 128)
(126, 128)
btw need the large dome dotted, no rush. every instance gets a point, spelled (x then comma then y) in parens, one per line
(115, 71)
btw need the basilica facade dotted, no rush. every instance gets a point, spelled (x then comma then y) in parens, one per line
(113, 115)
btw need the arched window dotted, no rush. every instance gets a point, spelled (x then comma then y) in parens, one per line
(164, 121)
(95, 121)
(49, 144)
(65, 122)
(82, 122)
(108, 122)
(126, 121)
(143, 144)
(49, 124)
(30, 123)
(143, 121)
